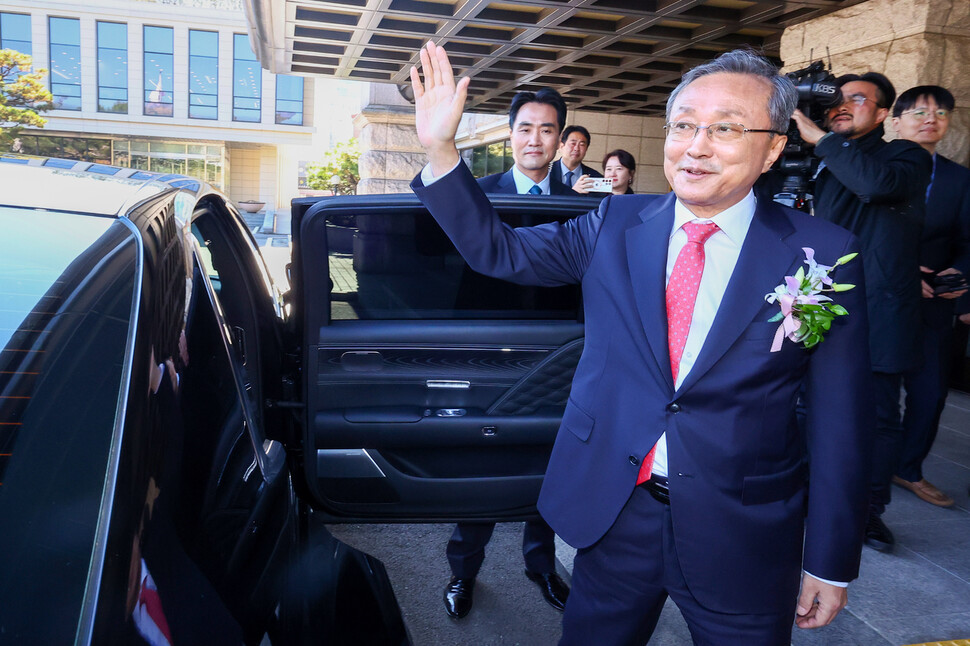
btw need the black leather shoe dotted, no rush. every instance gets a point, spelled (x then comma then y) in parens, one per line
(554, 589)
(458, 597)
(878, 536)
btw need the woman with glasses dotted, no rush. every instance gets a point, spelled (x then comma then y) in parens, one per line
(922, 114)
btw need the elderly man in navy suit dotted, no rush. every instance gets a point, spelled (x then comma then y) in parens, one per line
(679, 469)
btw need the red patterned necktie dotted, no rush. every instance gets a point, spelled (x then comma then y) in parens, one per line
(682, 287)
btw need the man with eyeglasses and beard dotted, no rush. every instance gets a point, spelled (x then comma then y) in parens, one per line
(876, 190)
(679, 469)
(922, 114)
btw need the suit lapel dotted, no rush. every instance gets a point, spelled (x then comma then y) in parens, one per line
(506, 183)
(646, 249)
(764, 261)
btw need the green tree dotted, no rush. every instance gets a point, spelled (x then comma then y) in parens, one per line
(22, 95)
(341, 163)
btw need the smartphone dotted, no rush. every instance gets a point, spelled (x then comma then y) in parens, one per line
(601, 185)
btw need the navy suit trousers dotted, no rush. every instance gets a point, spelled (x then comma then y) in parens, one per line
(466, 548)
(620, 584)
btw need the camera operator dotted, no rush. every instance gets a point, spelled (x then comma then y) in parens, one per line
(876, 189)
(922, 114)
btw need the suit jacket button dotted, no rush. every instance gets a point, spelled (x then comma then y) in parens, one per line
(634, 460)
(674, 408)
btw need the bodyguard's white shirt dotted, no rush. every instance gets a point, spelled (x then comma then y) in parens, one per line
(721, 253)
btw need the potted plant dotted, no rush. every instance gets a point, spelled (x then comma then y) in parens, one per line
(251, 206)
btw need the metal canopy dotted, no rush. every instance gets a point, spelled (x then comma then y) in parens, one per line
(619, 56)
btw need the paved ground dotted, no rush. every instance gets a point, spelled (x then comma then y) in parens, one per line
(920, 593)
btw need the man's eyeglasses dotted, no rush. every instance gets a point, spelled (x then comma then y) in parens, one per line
(723, 133)
(858, 99)
(921, 114)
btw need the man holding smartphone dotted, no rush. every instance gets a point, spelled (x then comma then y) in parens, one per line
(922, 115)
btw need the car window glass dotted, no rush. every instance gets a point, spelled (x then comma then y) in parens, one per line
(205, 256)
(401, 265)
(68, 302)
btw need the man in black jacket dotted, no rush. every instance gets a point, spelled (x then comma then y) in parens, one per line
(922, 114)
(876, 189)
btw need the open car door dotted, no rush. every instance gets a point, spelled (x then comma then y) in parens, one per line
(431, 392)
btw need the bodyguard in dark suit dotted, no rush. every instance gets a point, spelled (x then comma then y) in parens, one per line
(922, 115)
(535, 119)
(679, 469)
(573, 146)
(876, 189)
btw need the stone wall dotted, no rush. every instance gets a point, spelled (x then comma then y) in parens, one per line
(913, 42)
(392, 155)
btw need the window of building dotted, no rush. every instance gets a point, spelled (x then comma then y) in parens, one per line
(112, 67)
(159, 71)
(202, 161)
(15, 32)
(289, 100)
(247, 81)
(489, 158)
(87, 149)
(203, 74)
(65, 61)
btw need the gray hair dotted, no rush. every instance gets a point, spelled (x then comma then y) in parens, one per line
(783, 98)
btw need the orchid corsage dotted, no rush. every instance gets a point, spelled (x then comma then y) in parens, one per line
(806, 312)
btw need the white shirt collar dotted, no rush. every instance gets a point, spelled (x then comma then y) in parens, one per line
(733, 221)
(523, 183)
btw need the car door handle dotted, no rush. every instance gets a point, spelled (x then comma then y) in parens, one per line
(455, 384)
(362, 361)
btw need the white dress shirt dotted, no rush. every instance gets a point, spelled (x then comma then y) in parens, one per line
(523, 183)
(720, 256)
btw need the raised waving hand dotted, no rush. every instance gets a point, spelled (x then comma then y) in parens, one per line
(438, 105)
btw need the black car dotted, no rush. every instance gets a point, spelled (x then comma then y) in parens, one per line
(174, 433)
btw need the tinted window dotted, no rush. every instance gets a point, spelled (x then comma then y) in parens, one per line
(289, 100)
(247, 81)
(112, 67)
(15, 32)
(402, 266)
(65, 60)
(203, 74)
(159, 70)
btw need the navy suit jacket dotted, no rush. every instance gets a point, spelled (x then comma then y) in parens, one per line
(742, 487)
(557, 170)
(505, 183)
(946, 234)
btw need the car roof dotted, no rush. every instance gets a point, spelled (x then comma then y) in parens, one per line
(82, 187)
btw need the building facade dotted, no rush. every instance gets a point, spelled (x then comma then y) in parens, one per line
(171, 86)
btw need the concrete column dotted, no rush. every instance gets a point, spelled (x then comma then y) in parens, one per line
(391, 154)
(913, 42)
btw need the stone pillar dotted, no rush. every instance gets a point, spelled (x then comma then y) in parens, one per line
(913, 42)
(391, 155)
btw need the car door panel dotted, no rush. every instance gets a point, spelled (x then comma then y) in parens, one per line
(432, 392)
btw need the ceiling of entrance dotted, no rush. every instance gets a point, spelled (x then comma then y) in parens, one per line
(621, 56)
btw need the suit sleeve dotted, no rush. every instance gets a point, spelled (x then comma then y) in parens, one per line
(876, 178)
(962, 260)
(548, 254)
(839, 425)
